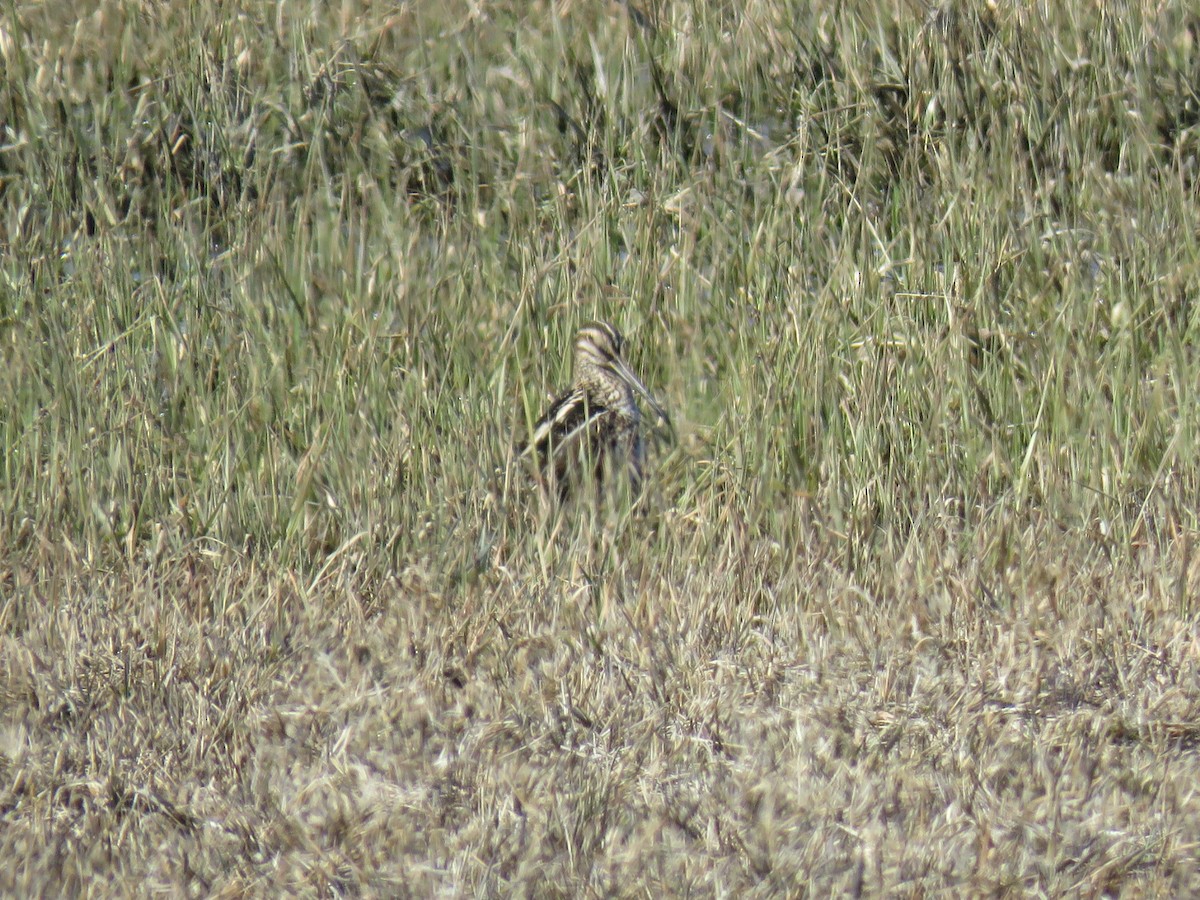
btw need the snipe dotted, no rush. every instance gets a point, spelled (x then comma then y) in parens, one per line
(595, 428)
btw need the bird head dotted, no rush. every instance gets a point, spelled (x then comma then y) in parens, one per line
(600, 357)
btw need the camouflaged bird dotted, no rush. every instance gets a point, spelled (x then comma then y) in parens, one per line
(595, 428)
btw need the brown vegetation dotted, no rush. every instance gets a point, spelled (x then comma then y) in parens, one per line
(909, 608)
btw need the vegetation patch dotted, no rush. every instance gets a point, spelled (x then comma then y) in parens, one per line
(907, 607)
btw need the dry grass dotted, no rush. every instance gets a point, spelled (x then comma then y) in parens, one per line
(910, 607)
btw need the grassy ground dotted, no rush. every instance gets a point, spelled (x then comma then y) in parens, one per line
(910, 606)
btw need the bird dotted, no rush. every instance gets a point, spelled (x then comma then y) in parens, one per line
(594, 428)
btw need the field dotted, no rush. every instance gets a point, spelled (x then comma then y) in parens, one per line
(909, 605)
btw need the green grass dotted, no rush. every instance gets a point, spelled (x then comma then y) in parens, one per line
(908, 608)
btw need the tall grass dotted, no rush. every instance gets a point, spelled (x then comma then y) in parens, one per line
(908, 606)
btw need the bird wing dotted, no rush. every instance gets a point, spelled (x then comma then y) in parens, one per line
(568, 417)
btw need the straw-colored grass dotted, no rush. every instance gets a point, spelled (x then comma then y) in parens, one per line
(908, 609)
